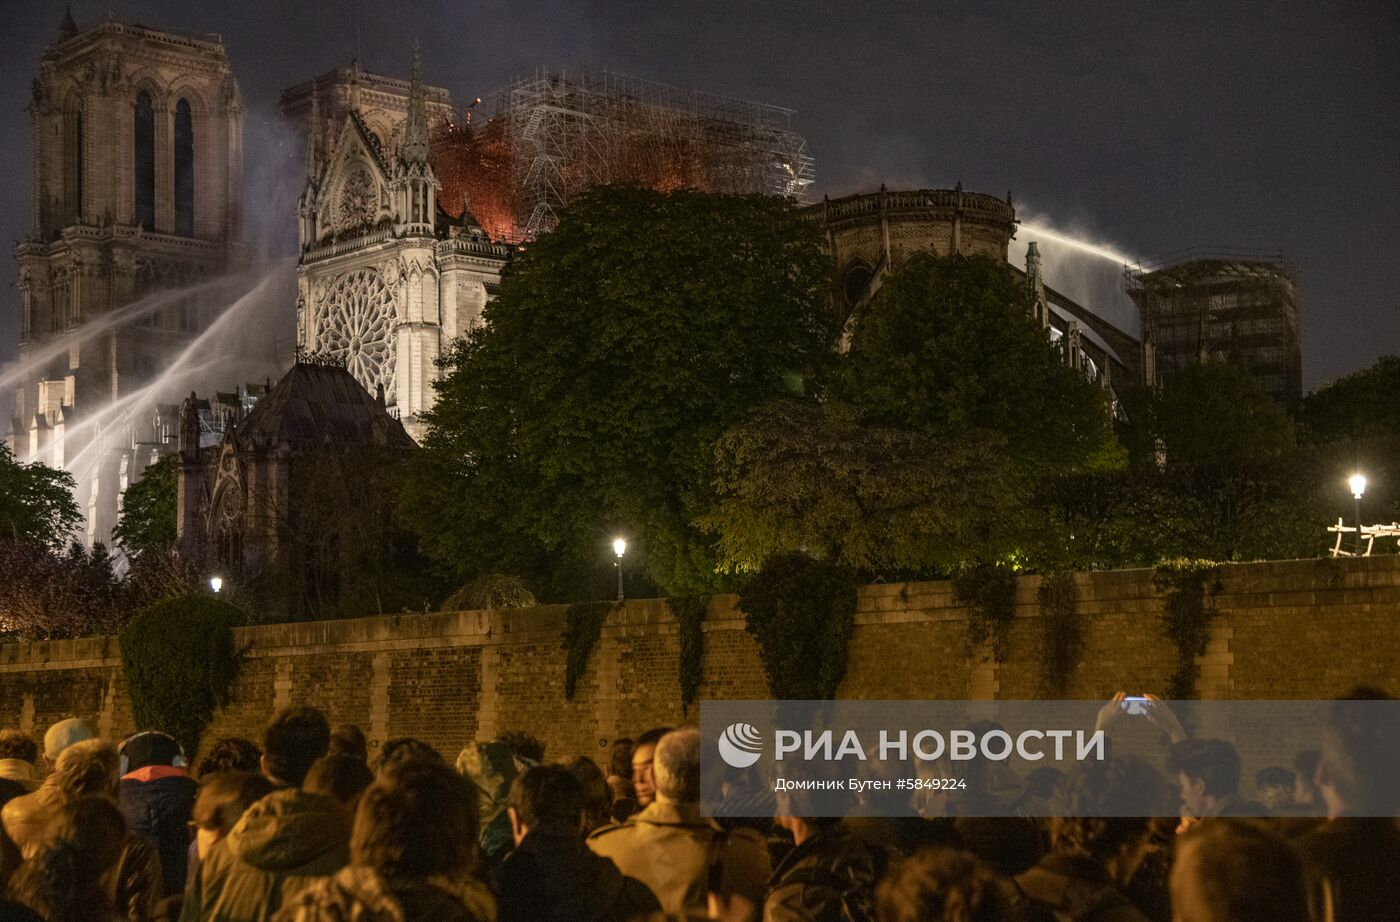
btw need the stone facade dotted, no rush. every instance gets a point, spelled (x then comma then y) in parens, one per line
(136, 170)
(1304, 629)
(388, 275)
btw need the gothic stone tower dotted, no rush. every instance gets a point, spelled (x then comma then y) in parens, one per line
(137, 163)
(386, 279)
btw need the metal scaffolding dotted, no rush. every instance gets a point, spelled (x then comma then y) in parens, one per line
(551, 136)
(1236, 306)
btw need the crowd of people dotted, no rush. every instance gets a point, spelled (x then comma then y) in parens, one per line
(306, 827)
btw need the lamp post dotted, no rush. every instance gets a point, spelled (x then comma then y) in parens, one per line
(216, 583)
(1357, 482)
(619, 548)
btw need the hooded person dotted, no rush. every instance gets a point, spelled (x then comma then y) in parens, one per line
(285, 843)
(155, 796)
(491, 767)
(25, 818)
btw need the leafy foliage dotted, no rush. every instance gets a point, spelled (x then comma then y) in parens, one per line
(587, 404)
(180, 661)
(149, 509)
(690, 616)
(798, 476)
(802, 612)
(583, 626)
(36, 503)
(988, 591)
(948, 345)
(1063, 630)
(1186, 616)
(491, 590)
(1214, 413)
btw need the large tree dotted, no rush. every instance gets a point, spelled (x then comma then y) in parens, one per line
(147, 523)
(36, 503)
(948, 346)
(619, 347)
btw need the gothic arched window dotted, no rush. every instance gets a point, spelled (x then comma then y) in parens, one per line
(73, 164)
(145, 157)
(184, 169)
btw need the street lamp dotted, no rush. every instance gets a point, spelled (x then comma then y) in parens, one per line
(1357, 482)
(619, 548)
(216, 583)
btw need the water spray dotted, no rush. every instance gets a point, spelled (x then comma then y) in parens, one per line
(1041, 231)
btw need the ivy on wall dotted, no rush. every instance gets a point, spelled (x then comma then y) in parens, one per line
(1186, 616)
(802, 612)
(690, 614)
(180, 662)
(1062, 636)
(988, 592)
(583, 627)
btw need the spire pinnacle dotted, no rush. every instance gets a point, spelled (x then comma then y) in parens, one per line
(67, 28)
(415, 133)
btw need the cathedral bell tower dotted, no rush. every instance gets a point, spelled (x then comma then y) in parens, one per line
(415, 186)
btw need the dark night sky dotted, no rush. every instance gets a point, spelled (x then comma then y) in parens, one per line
(1149, 126)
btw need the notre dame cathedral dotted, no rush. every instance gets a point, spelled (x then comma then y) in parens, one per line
(388, 274)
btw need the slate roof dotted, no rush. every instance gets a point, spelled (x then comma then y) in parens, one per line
(318, 403)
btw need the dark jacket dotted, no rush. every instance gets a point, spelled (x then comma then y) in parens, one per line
(156, 802)
(830, 877)
(286, 843)
(552, 875)
(358, 894)
(1357, 860)
(1077, 888)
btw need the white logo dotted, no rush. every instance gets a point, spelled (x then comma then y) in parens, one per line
(740, 745)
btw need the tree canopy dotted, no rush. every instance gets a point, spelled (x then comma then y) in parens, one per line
(149, 509)
(36, 503)
(948, 346)
(619, 348)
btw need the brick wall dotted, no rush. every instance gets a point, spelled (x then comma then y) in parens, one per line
(1292, 629)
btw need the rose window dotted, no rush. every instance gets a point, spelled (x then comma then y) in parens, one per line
(356, 326)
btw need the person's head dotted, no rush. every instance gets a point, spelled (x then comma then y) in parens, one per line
(944, 884)
(642, 778)
(17, 745)
(418, 820)
(1275, 786)
(1360, 749)
(620, 759)
(597, 796)
(349, 740)
(64, 734)
(230, 754)
(402, 750)
(87, 769)
(1111, 805)
(676, 767)
(223, 798)
(294, 740)
(1234, 871)
(1206, 771)
(1305, 790)
(66, 882)
(545, 795)
(340, 776)
(524, 747)
(149, 748)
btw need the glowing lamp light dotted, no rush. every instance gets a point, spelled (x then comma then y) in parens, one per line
(619, 546)
(1357, 482)
(216, 583)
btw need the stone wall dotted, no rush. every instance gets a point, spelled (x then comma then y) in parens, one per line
(1287, 630)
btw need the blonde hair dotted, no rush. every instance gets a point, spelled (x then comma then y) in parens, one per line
(87, 768)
